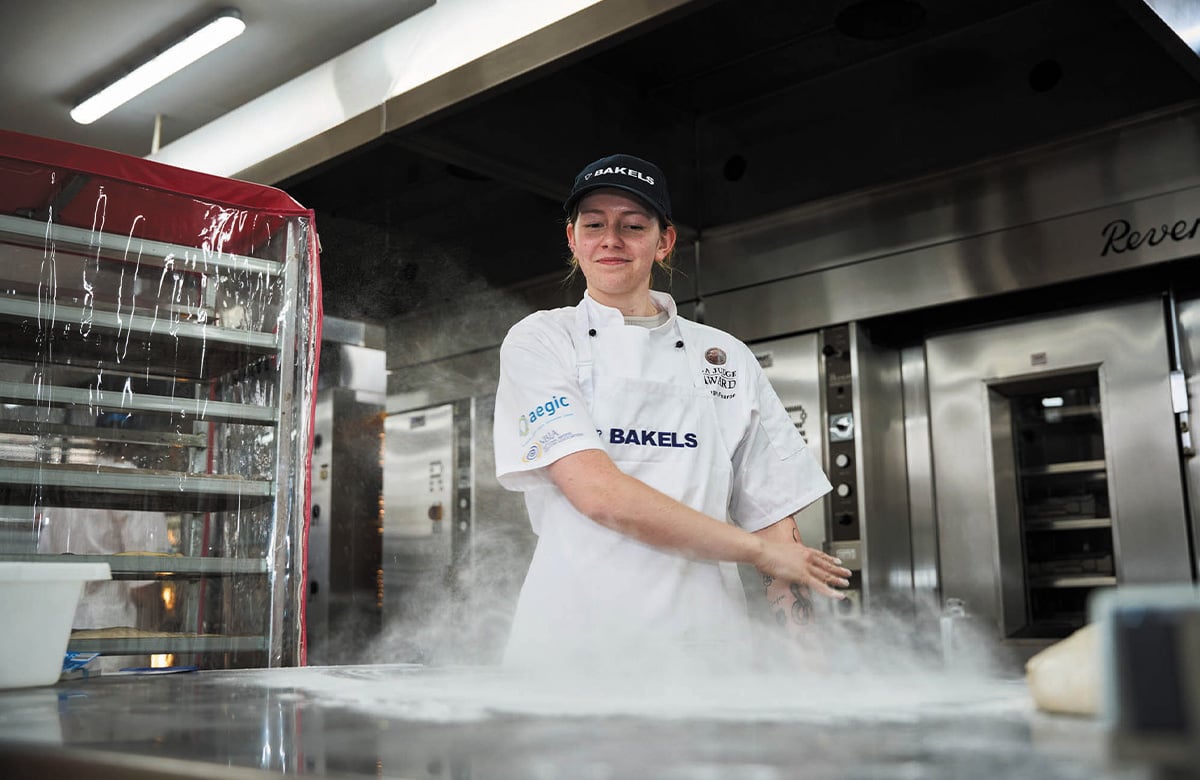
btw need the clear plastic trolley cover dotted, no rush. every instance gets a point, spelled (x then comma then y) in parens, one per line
(159, 331)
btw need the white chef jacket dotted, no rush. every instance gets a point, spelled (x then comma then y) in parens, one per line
(683, 407)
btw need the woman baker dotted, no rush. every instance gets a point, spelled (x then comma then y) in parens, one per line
(653, 454)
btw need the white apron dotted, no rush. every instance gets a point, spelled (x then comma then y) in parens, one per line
(593, 594)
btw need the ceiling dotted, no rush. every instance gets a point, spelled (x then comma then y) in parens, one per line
(54, 53)
(750, 106)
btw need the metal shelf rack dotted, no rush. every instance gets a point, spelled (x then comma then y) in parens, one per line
(159, 330)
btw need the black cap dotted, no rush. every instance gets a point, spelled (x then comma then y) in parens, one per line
(624, 172)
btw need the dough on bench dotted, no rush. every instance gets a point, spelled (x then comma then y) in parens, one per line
(1065, 677)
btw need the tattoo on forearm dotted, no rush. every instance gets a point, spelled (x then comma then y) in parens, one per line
(802, 609)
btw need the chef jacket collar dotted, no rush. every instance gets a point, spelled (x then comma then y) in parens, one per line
(600, 315)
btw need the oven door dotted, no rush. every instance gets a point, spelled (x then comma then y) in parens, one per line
(1056, 465)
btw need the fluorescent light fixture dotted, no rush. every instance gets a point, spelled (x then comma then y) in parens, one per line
(1190, 35)
(221, 30)
(1182, 16)
(1053, 402)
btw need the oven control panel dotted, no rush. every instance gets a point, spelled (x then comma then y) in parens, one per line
(844, 534)
(839, 401)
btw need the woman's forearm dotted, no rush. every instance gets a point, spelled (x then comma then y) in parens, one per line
(599, 490)
(602, 492)
(789, 603)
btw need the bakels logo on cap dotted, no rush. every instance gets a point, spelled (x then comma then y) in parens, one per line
(620, 170)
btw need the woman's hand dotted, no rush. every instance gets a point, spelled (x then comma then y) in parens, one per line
(784, 557)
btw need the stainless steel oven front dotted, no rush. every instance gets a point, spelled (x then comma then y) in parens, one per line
(1057, 465)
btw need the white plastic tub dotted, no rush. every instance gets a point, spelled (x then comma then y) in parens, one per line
(37, 604)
